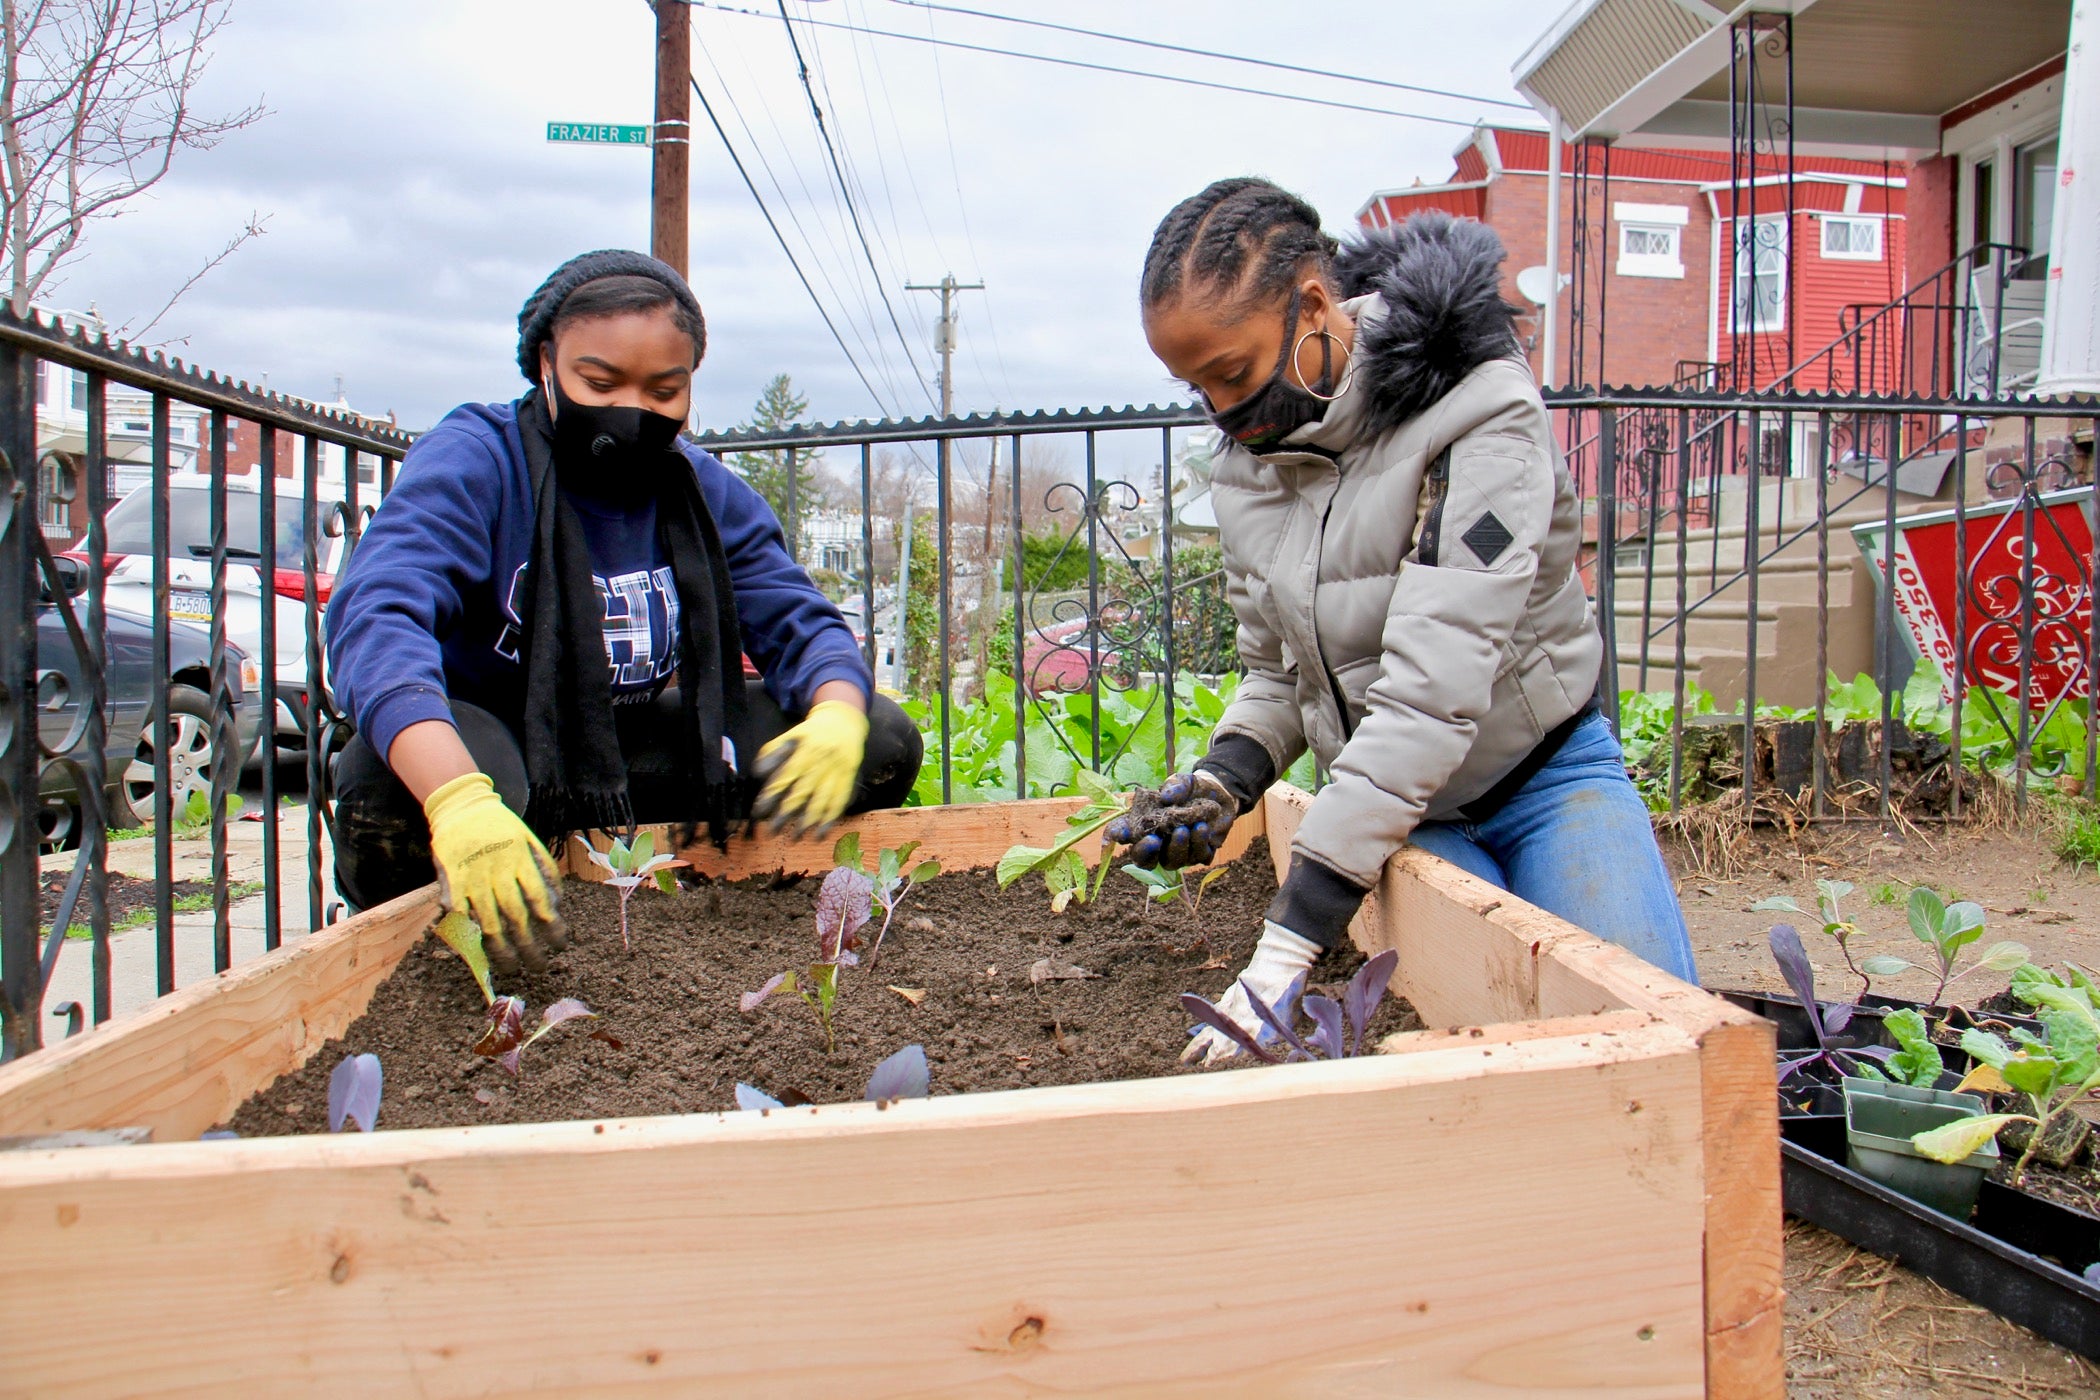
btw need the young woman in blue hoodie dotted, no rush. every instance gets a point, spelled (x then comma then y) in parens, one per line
(542, 629)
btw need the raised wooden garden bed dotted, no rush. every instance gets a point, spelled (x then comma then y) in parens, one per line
(1571, 1184)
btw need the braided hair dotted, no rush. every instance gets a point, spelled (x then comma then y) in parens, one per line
(1244, 239)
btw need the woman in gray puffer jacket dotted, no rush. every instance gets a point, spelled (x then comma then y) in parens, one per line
(1401, 539)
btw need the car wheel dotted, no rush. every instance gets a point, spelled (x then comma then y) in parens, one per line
(189, 756)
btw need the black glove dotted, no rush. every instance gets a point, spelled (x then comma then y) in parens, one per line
(1183, 823)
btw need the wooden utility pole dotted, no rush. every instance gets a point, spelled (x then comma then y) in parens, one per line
(944, 331)
(669, 198)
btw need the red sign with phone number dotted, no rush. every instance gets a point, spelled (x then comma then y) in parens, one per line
(2001, 539)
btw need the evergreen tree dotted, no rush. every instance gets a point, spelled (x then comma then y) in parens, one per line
(770, 473)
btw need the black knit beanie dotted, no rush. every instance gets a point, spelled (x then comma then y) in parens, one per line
(536, 317)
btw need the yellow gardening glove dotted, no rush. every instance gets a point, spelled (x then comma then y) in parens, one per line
(806, 776)
(491, 868)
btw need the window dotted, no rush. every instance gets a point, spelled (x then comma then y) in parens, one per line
(1758, 302)
(58, 492)
(1851, 239)
(1650, 239)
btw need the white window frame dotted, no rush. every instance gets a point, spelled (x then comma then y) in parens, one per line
(1853, 221)
(54, 469)
(1779, 271)
(1665, 219)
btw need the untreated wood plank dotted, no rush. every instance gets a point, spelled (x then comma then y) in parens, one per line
(968, 836)
(1482, 1219)
(1745, 1252)
(186, 1061)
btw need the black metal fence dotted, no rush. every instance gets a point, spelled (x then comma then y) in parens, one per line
(1989, 537)
(71, 746)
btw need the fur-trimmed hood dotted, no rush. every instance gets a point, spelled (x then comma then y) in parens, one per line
(1440, 281)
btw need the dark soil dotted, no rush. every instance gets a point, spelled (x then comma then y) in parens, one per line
(682, 1044)
(127, 894)
(2076, 1186)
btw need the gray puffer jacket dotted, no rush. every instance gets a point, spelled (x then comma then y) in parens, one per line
(1403, 572)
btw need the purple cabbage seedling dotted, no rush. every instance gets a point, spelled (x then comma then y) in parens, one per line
(1824, 1020)
(503, 1036)
(627, 867)
(845, 903)
(895, 877)
(353, 1093)
(505, 1040)
(1337, 1027)
(903, 1075)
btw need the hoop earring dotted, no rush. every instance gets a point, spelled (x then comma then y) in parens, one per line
(1348, 375)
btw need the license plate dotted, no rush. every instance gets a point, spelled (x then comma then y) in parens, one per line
(190, 607)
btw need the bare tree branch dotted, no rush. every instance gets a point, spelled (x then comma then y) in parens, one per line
(256, 226)
(95, 100)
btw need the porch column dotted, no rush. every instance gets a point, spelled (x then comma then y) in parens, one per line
(2071, 311)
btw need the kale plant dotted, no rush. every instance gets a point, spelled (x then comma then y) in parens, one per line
(1061, 865)
(1916, 1061)
(503, 1038)
(1337, 1026)
(2053, 1071)
(895, 877)
(845, 903)
(1946, 929)
(903, 1075)
(626, 867)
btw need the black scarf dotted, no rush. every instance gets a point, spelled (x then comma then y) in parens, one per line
(572, 749)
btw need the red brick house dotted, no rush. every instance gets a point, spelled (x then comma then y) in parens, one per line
(1673, 302)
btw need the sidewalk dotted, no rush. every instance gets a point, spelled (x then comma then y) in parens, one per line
(134, 977)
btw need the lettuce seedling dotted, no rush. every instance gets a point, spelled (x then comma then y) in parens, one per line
(1062, 867)
(1166, 886)
(1825, 1020)
(895, 877)
(353, 1093)
(628, 866)
(2053, 1071)
(1917, 1060)
(503, 1037)
(1338, 1027)
(903, 1075)
(845, 903)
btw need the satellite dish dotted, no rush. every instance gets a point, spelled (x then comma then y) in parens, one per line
(1535, 283)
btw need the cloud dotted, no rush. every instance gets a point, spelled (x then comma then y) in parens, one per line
(413, 202)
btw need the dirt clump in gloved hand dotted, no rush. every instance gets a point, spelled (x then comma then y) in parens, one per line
(1182, 822)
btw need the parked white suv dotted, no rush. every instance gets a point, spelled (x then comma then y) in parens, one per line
(129, 554)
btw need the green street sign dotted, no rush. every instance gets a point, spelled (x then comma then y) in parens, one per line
(598, 133)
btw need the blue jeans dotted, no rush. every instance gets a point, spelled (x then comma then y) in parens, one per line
(1576, 841)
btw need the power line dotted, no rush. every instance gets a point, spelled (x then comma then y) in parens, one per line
(802, 69)
(815, 300)
(1213, 53)
(1101, 67)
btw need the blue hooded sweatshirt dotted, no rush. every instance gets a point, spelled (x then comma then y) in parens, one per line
(424, 613)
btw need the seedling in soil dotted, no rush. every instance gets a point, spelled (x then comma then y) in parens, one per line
(1166, 886)
(1338, 1026)
(2053, 1071)
(1917, 1061)
(895, 877)
(1824, 1020)
(626, 867)
(1946, 929)
(1063, 869)
(353, 1093)
(1835, 924)
(845, 903)
(903, 1075)
(503, 1038)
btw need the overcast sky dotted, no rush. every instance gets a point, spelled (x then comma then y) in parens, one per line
(413, 201)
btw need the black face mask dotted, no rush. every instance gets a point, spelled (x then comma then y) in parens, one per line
(608, 453)
(1261, 421)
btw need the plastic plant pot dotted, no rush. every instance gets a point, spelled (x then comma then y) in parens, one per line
(1879, 1121)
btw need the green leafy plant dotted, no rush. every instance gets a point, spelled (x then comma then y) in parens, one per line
(895, 877)
(2053, 1072)
(1946, 929)
(2079, 841)
(1829, 894)
(1166, 886)
(503, 1036)
(1061, 865)
(628, 866)
(1917, 1060)
(845, 903)
(1887, 892)
(195, 813)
